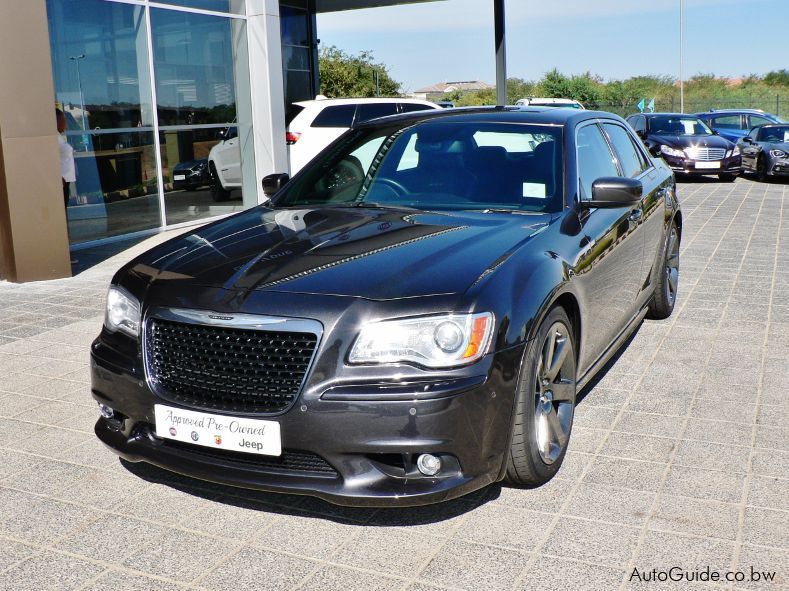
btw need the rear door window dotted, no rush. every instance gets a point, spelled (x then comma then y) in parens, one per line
(411, 108)
(367, 111)
(727, 122)
(756, 120)
(336, 116)
(631, 160)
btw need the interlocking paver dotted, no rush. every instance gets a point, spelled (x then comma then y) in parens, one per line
(679, 456)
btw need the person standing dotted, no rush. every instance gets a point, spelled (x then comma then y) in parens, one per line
(68, 171)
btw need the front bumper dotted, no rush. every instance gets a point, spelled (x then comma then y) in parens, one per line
(779, 168)
(686, 166)
(370, 445)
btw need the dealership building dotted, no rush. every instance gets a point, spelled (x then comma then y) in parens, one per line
(147, 88)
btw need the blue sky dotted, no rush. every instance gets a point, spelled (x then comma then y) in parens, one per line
(453, 39)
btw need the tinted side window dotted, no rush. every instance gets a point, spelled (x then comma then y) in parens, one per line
(630, 158)
(727, 122)
(640, 124)
(595, 159)
(411, 107)
(338, 116)
(368, 111)
(757, 120)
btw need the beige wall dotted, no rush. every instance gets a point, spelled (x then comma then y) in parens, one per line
(33, 231)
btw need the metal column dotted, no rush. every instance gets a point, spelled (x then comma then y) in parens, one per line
(501, 51)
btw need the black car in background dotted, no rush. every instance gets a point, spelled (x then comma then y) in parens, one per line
(687, 145)
(191, 174)
(765, 151)
(409, 319)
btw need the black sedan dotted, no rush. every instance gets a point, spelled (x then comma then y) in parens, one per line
(765, 151)
(409, 319)
(191, 174)
(687, 145)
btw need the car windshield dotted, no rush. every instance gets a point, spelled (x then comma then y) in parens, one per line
(677, 125)
(437, 165)
(774, 134)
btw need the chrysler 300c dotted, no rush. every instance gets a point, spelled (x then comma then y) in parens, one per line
(408, 319)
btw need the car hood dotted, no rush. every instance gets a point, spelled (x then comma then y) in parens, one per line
(686, 141)
(370, 253)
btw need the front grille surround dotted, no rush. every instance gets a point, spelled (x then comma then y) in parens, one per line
(238, 364)
(705, 154)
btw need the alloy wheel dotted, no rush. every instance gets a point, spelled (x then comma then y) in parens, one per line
(554, 400)
(672, 266)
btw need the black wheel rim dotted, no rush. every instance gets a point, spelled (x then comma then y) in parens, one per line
(554, 397)
(672, 267)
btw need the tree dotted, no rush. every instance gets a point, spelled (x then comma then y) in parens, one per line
(346, 75)
(777, 78)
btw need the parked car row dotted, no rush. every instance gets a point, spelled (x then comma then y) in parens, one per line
(717, 142)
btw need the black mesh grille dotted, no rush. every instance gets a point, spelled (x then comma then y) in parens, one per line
(289, 461)
(233, 369)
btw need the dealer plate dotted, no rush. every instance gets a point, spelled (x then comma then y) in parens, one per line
(252, 436)
(715, 164)
(179, 177)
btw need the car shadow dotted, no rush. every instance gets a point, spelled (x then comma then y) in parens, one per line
(313, 507)
(302, 505)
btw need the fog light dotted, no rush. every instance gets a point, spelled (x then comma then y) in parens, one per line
(428, 464)
(106, 411)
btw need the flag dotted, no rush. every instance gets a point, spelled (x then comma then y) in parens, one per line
(641, 105)
(651, 106)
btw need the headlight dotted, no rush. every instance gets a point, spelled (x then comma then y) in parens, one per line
(668, 151)
(123, 312)
(433, 341)
(735, 151)
(778, 154)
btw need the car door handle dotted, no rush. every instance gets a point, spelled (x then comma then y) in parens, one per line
(635, 215)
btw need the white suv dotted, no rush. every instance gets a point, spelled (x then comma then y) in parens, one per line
(548, 102)
(313, 126)
(319, 122)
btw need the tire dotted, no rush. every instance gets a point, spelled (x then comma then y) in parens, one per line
(218, 192)
(727, 177)
(761, 169)
(545, 403)
(665, 295)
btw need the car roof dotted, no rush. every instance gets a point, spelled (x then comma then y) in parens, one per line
(666, 114)
(360, 100)
(732, 111)
(509, 114)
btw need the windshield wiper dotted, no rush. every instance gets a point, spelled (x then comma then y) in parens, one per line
(503, 210)
(372, 205)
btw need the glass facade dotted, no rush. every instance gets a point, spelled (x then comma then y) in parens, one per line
(157, 111)
(298, 52)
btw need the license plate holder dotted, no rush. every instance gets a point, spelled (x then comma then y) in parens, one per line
(253, 436)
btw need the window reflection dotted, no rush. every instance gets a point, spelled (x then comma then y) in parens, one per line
(102, 84)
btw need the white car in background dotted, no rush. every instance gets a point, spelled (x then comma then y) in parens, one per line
(319, 122)
(313, 126)
(548, 102)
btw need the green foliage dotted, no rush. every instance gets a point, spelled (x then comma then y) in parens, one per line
(346, 75)
(777, 78)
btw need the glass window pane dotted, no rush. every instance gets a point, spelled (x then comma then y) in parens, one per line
(102, 84)
(339, 116)
(296, 58)
(116, 191)
(193, 66)
(756, 121)
(595, 159)
(629, 157)
(189, 191)
(295, 25)
(727, 122)
(234, 6)
(100, 63)
(367, 111)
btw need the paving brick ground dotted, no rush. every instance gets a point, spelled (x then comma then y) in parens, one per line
(679, 457)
